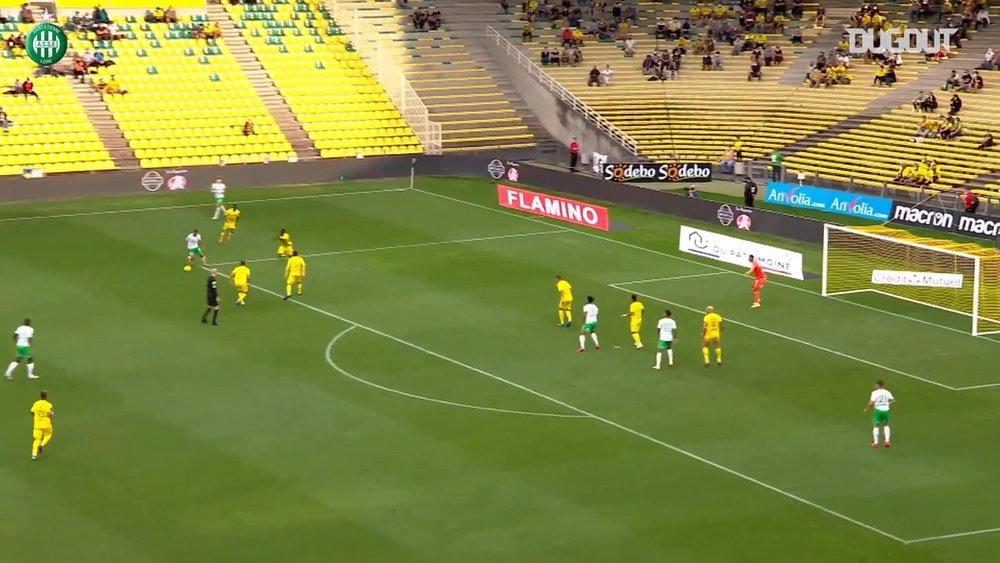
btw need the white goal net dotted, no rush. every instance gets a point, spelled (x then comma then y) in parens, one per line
(962, 278)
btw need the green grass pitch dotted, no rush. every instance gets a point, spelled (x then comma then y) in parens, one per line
(419, 403)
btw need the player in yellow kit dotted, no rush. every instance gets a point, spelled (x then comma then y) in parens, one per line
(232, 216)
(635, 309)
(711, 336)
(285, 247)
(295, 272)
(41, 413)
(565, 291)
(241, 281)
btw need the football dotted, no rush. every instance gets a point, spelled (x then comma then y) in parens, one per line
(187, 268)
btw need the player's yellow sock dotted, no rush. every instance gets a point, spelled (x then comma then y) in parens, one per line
(241, 296)
(562, 317)
(704, 354)
(45, 440)
(718, 355)
(637, 339)
(569, 316)
(300, 289)
(34, 447)
(288, 289)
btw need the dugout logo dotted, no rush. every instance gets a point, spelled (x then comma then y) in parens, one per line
(741, 215)
(46, 44)
(496, 169)
(677, 172)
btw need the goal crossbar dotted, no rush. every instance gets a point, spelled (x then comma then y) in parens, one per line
(960, 278)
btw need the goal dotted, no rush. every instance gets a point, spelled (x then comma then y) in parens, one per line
(962, 278)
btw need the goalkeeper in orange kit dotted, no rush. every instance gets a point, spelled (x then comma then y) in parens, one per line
(759, 280)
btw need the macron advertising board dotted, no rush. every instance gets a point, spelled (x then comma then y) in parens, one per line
(829, 201)
(738, 251)
(562, 209)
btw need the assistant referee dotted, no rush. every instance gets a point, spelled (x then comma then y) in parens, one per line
(212, 296)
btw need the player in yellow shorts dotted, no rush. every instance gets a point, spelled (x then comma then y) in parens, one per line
(232, 216)
(295, 272)
(711, 336)
(635, 309)
(41, 413)
(285, 247)
(241, 281)
(565, 291)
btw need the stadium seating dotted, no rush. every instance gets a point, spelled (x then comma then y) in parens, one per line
(327, 85)
(446, 71)
(52, 133)
(698, 115)
(871, 153)
(187, 99)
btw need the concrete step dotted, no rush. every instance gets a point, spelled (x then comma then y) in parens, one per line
(104, 123)
(261, 81)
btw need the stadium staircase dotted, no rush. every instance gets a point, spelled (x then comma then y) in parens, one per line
(342, 108)
(262, 83)
(451, 71)
(105, 125)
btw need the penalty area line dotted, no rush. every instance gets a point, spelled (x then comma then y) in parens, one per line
(795, 340)
(404, 246)
(953, 536)
(603, 420)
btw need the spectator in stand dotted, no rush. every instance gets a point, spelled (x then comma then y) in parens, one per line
(79, 69)
(26, 15)
(248, 128)
(434, 20)
(820, 17)
(797, 36)
(528, 32)
(737, 148)
(15, 88)
(594, 79)
(977, 81)
(717, 61)
(970, 201)
(100, 15)
(567, 37)
(987, 142)
(505, 6)
(982, 17)
(798, 9)
(629, 46)
(170, 15)
(114, 87)
(4, 120)
(955, 105)
(606, 75)
(755, 71)
(159, 16)
(28, 87)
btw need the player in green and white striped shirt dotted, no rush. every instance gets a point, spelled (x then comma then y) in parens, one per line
(881, 401)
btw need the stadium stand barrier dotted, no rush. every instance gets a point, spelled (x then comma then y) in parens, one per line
(390, 76)
(559, 90)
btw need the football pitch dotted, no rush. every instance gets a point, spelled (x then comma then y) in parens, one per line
(419, 404)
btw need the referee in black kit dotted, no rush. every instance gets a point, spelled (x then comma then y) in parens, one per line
(212, 294)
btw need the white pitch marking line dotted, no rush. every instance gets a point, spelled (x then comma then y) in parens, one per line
(190, 205)
(952, 536)
(690, 261)
(404, 246)
(984, 386)
(598, 418)
(796, 340)
(672, 278)
(329, 360)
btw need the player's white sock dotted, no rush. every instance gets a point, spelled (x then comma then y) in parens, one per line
(875, 435)
(593, 336)
(887, 434)
(10, 369)
(659, 356)
(670, 357)
(583, 341)
(31, 369)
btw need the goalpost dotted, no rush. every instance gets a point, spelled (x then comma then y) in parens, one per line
(962, 278)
